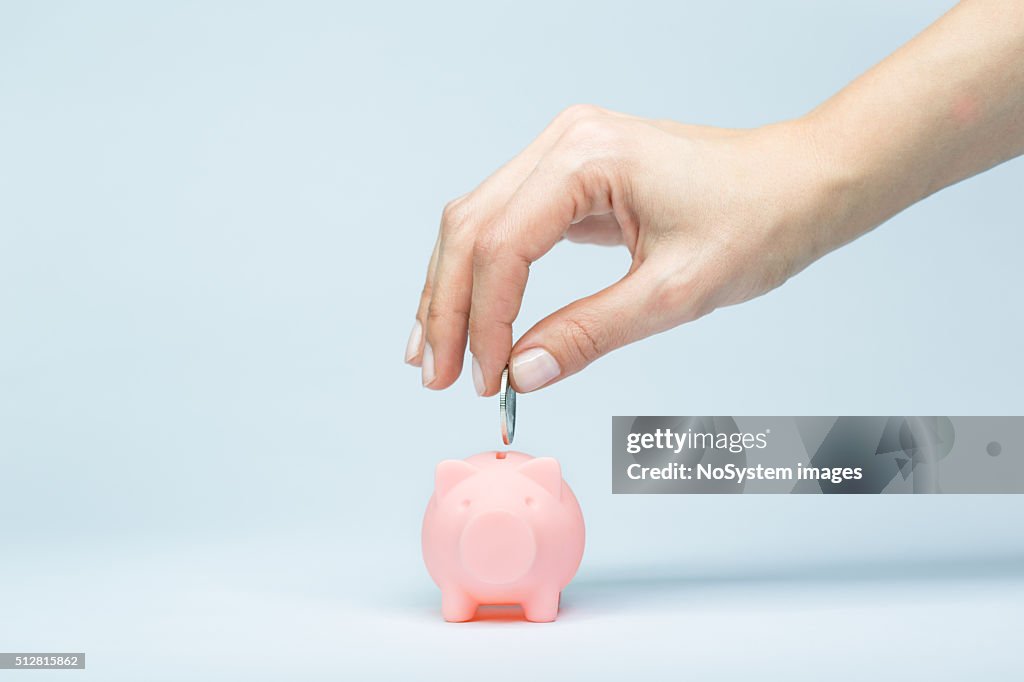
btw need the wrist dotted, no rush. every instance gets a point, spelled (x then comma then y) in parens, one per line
(850, 190)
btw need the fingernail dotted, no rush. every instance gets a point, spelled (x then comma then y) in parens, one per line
(413, 346)
(478, 378)
(428, 364)
(533, 368)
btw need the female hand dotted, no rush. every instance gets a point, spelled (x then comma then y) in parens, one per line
(711, 217)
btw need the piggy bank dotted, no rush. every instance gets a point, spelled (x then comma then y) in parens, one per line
(502, 528)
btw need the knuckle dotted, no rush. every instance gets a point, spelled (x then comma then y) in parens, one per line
(575, 112)
(580, 337)
(596, 148)
(434, 313)
(487, 247)
(593, 133)
(446, 309)
(455, 215)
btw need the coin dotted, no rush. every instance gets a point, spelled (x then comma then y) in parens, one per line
(507, 408)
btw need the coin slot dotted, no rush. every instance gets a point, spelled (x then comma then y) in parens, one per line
(499, 455)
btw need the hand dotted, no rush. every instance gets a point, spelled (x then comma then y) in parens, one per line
(711, 217)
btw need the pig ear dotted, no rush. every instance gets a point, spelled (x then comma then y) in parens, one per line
(545, 471)
(449, 473)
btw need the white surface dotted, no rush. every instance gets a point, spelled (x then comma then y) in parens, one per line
(293, 608)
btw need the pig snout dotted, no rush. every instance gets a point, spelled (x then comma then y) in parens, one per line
(497, 547)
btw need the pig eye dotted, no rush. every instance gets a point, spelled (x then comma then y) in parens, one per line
(464, 504)
(528, 501)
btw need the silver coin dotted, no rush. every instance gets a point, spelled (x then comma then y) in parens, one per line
(507, 408)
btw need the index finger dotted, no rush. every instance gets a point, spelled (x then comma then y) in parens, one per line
(551, 198)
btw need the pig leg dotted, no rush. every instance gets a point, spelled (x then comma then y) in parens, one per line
(456, 605)
(541, 606)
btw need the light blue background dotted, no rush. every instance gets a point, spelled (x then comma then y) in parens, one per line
(214, 224)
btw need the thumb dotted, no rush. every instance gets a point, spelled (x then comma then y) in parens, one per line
(569, 339)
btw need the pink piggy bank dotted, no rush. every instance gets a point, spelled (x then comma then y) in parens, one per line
(502, 528)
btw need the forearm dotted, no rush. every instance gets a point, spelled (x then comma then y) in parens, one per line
(945, 106)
